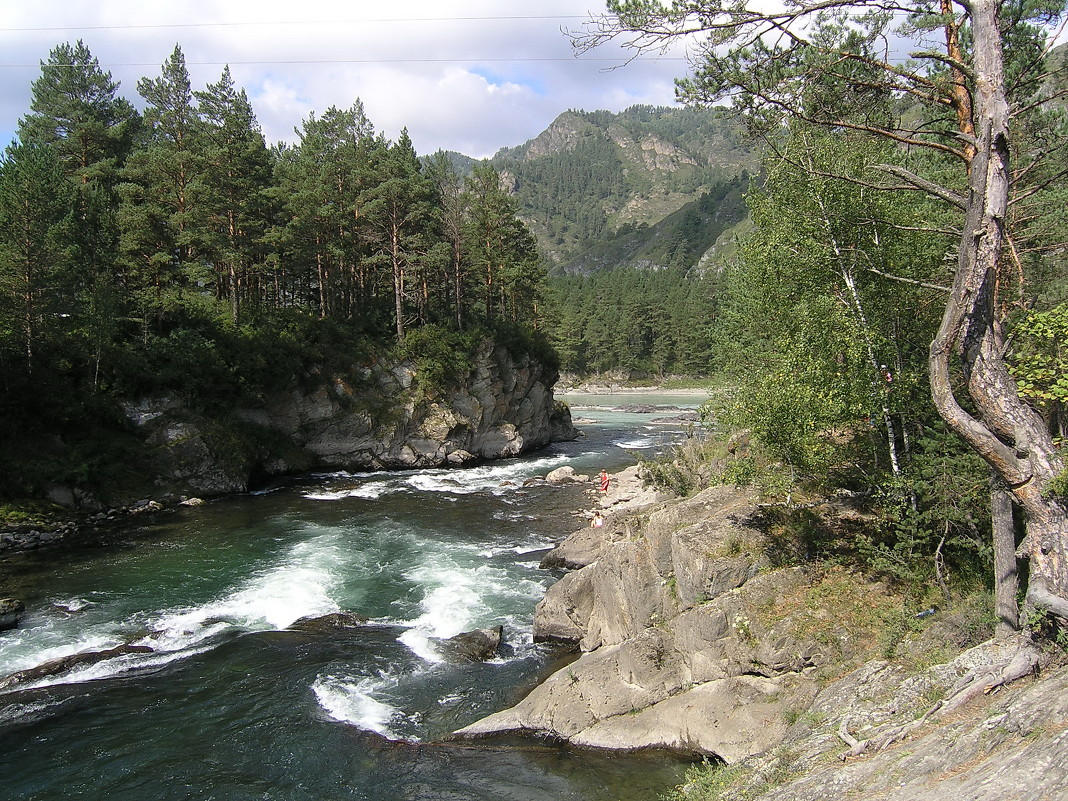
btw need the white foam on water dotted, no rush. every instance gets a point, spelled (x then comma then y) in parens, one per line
(72, 605)
(458, 598)
(354, 701)
(513, 516)
(452, 601)
(634, 444)
(32, 645)
(116, 666)
(264, 491)
(532, 545)
(498, 478)
(303, 583)
(15, 712)
(370, 490)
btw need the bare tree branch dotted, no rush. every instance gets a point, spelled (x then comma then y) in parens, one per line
(924, 185)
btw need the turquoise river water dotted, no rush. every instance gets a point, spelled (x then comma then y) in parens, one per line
(229, 704)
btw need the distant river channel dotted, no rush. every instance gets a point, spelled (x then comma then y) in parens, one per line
(227, 702)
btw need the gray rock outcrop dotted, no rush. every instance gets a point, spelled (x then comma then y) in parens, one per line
(693, 641)
(326, 624)
(378, 417)
(11, 611)
(669, 660)
(472, 646)
(1005, 746)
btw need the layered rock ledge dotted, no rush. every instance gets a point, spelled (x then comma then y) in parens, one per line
(380, 416)
(693, 640)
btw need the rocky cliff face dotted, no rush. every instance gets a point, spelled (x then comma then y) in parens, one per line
(375, 418)
(692, 640)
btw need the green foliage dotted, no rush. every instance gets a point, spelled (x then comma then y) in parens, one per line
(177, 255)
(688, 467)
(804, 323)
(28, 514)
(708, 781)
(441, 357)
(1039, 363)
(1047, 627)
(1058, 487)
(521, 339)
(936, 519)
(714, 781)
(76, 110)
(637, 321)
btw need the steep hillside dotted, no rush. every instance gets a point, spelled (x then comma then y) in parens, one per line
(648, 187)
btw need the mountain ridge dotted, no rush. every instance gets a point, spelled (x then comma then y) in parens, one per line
(649, 187)
(603, 189)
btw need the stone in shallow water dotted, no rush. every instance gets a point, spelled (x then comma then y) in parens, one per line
(11, 611)
(472, 646)
(330, 622)
(65, 663)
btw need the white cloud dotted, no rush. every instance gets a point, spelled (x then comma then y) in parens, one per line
(471, 75)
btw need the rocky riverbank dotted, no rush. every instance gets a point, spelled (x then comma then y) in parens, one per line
(700, 633)
(382, 416)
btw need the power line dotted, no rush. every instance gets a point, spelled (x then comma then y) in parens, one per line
(364, 61)
(375, 20)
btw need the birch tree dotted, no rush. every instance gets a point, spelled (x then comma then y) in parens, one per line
(762, 57)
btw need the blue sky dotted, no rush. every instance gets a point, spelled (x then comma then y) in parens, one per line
(466, 75)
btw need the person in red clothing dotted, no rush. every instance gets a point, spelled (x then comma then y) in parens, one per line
(604, 482)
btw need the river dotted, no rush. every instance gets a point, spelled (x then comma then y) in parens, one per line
(231, 704)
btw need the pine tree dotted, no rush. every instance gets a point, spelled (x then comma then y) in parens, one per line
(76, 109)
(325, 188)
(449, 188)
(405, 217)
(233, 218)
(76, 112)
(37, 207)
(162, 183)
(502, 248)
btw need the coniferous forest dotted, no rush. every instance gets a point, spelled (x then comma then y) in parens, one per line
(174, 251)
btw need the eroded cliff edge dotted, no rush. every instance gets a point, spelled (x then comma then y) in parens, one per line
(385, 415)
(700, 632)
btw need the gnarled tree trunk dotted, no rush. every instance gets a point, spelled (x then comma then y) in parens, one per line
(1005, 430)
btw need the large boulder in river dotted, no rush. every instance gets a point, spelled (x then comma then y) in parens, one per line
(565, 475)
(471, 646)
(324, 624)
(11, 611)
(63, 664)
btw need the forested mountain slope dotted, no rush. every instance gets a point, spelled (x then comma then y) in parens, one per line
(648, 187)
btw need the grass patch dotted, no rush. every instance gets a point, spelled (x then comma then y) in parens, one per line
(838, 609)
(712, 781)
(708, 781)
(30, 514)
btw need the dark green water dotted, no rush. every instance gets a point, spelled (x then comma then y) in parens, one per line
(229, 704)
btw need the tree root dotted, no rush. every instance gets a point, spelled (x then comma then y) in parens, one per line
(981, 681)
